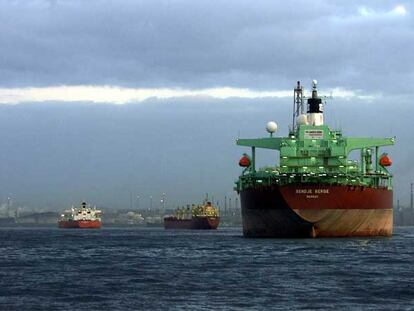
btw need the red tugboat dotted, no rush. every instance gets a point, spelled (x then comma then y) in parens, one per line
(83, 217)
(199, 217)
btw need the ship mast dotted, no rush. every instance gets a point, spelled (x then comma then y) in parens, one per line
(298, 107)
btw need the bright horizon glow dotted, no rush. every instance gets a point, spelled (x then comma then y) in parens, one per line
(120, 95)
(398, 10)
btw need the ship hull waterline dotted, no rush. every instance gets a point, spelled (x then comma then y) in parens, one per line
(309, 211)
(80, 224)
(195, 223)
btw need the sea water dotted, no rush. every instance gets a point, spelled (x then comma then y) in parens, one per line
(156, 269)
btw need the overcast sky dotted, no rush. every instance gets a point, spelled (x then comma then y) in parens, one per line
(360, 46)
(240, 59)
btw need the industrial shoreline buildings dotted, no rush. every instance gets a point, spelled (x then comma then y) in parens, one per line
(229, 213)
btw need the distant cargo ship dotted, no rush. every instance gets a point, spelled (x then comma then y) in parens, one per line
(198, 217)
(316, 190)
(83, 217)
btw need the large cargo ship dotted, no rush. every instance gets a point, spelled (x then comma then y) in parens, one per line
(202, 217)
(317, 190)
(83, 217)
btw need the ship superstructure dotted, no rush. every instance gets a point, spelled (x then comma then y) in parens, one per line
(204, 216)
(85, 216)
(316, 190)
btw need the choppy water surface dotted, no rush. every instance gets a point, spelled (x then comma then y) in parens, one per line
(154, 269)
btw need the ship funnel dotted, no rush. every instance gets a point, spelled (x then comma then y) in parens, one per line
(315, 108)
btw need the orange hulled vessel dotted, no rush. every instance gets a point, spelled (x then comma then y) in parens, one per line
(83, 217)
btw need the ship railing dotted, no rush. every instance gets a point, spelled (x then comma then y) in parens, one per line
(354, 178)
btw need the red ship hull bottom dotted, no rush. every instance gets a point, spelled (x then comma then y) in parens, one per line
(316, 211)
(195, 223)
(80, 224)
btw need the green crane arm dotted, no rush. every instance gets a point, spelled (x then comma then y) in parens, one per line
(353, 143)
(268, 143)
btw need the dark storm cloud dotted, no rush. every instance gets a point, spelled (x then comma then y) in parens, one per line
(197, 44)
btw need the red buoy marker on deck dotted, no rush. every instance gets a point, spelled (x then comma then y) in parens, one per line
(244, 161)
(385, 160)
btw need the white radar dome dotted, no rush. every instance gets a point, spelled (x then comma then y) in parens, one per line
(302, 119)
(271, 127)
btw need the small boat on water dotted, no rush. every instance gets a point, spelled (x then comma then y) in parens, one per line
(201, 217)
(83, 217)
